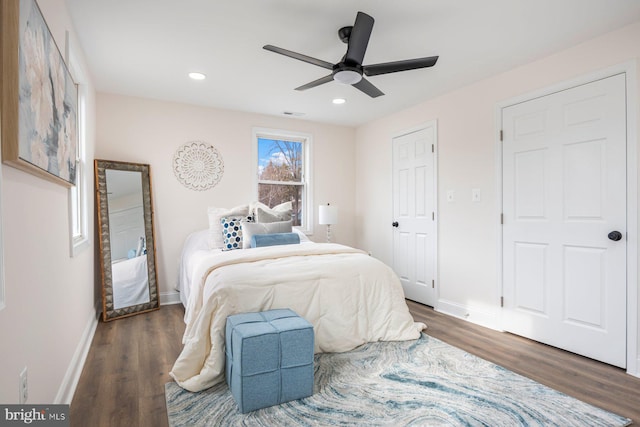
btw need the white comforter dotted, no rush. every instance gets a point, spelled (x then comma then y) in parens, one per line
(348, 296)
(130, 282)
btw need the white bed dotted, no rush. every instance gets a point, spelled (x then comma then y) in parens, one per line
(130, 282)
(195, 248)
(349, 297)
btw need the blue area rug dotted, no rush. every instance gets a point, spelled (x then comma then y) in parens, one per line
(412, 383)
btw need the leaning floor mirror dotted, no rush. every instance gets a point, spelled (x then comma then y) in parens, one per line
(125, 232)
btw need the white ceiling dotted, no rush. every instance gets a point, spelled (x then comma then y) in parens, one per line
(146, 48)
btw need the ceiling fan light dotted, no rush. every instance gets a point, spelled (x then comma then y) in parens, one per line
(347, 77)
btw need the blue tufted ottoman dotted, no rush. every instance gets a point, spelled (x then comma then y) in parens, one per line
(269, 358)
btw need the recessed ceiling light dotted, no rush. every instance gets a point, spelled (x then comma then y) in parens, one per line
(197, 76)
(339, 101)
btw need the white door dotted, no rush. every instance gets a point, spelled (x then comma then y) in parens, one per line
(414, 213)
(564, 192)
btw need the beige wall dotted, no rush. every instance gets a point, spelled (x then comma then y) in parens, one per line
(148, 131)
(49, 295)
(468, 256)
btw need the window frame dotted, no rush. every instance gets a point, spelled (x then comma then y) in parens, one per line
(78, 194)
(307, 178)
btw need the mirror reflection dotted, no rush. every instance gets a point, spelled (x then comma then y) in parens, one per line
(126, 233)
(127, 249)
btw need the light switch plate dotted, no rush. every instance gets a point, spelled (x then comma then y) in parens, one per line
(451, 196)
(475, 195)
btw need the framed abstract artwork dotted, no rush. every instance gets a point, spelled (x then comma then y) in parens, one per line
(39, 97)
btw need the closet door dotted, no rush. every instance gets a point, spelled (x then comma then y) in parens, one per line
(414, 227)
(564, 232)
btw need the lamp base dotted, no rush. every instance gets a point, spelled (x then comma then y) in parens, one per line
(328, 233)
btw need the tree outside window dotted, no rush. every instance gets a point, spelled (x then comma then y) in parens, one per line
(281, 174)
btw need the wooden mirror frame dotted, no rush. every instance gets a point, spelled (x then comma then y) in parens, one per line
(109, 312)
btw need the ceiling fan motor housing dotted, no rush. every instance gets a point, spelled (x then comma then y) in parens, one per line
(347, 74)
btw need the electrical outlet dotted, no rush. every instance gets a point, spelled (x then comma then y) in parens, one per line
(24, 388)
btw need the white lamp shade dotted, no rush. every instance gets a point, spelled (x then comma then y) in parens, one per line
(327, 214)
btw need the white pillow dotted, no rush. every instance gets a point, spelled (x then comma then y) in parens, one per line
(282, 207)
(281, 212)
(215, 226)
(250, 229)
(253, 207)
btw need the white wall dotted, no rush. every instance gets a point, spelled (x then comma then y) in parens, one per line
(148, 131)
(468, 232)
(127, 201)
(49, 295)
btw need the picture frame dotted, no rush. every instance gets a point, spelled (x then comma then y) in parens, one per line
(39, 99)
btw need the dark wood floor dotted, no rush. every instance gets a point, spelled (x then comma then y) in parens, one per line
(122, 383)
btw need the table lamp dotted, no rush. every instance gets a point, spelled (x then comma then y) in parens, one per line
(328, 215)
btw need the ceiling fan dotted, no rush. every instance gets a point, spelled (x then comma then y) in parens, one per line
(350, 69)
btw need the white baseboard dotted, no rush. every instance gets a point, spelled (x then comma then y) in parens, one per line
(634, 370)
(168, 298)
(72, 376)
(470, 314)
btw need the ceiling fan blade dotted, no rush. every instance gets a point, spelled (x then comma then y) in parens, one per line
(393, 67)
(320, 81)
(299, 56)
(359, 38)
(365, 86)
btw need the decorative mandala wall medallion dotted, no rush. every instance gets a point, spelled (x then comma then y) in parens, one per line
(198, 165)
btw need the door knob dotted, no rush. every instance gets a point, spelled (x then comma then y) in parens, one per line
(615, 236)
(395, 223)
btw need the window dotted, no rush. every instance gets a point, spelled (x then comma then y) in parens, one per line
(282, 172)
(78, 196)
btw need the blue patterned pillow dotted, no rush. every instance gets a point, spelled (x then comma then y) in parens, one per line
(232, 231)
